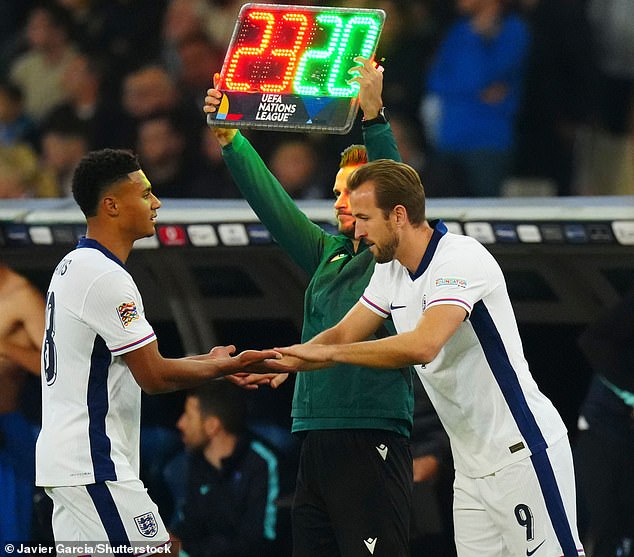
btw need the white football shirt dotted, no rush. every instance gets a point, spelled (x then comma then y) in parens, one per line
(91, 403)
(479, 383)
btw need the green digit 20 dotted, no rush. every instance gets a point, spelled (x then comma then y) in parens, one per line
(338, 47)
(301, 83)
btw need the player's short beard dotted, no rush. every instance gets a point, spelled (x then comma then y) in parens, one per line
(387, 251)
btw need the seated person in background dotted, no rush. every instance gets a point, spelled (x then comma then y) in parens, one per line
(232, 480)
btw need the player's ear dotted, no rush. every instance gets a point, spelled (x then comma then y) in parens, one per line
(110, 205)
(400, 213)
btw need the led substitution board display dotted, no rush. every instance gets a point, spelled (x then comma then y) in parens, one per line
(287, 67)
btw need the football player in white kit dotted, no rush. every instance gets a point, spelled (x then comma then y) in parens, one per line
(514, 491)
(99, 351)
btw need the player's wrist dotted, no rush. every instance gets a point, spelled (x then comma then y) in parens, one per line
(380, 117)
(333, 353)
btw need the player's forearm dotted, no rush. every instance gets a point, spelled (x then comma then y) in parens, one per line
(183, 373)
(392, 352)
(156, 374)
(186, 373)
(383, 353)
(333, 335)
(358, 324)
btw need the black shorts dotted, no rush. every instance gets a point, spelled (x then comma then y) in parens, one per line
(353, 495)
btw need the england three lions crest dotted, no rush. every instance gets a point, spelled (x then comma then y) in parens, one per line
(146, 524)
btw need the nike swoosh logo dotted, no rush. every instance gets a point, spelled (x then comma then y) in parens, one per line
(529, 553)
(337, 257)
(392, 307)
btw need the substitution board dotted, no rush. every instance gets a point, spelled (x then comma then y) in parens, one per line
(287, 67)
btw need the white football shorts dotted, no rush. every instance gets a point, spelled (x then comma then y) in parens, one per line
(525, 509)
(113, 514)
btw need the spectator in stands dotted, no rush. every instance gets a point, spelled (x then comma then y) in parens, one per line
(162, 149)
(15, 125)
(64, 142)
(605, 444)
(102, 118)
(21, 333)
(220, 185)
(183, 19)
(220, 20)
(606, 165)
(196, 55)
(127, 31)
(87, 18)
(21, 175)
(610, 21)
(473, 93)
(407, 40)
(150, 90)
(232, 479)
(13, 13)
(39, 71)
(13, 182)
(559, 91)
(295, 162)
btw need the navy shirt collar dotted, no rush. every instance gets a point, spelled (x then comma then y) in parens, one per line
(440, 229)
(90, 243)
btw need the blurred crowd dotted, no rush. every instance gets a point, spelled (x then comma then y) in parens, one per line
(531, 97)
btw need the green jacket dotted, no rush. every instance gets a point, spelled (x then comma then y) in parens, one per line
(345, 396)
